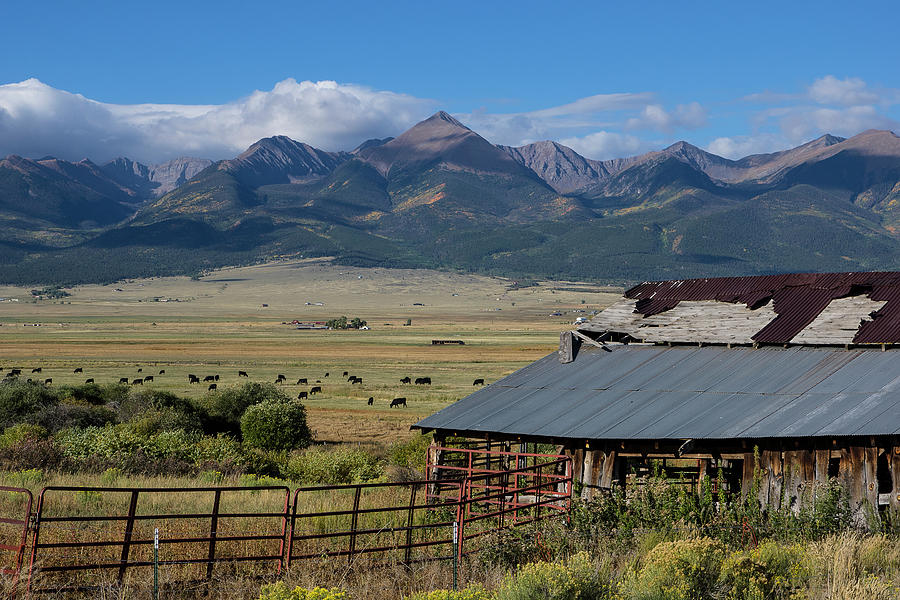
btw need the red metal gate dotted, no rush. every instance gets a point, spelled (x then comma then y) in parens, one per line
(114, 543)
(14, 536)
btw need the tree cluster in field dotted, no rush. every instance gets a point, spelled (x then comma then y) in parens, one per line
(342, 323)
(254, 428)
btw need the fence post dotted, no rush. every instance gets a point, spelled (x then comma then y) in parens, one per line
(213, 532)
(455, 552)
(353, 522)
(126, 540)
(409, 524)
(291, 529)
(284, 529)
(156, 564)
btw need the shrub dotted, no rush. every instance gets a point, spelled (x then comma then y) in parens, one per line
(280, 591)
(472, 592)
(62, 416)
(31, 453)
(771, 570)
(227, 406)
(276, 426)
(332, 467)
(577, 578)
(679, 570)
(20, 399)
(17, 433)
(411, 453)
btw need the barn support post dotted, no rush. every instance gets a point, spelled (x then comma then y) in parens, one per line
(894, 464)
(859, 466)
(608, 469)
(751, 469)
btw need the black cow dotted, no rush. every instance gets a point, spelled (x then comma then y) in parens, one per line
(193, 379)
(326, 374)
(302, 396)
(36, 370)
(423, 381)
(301, 381)
(78, 370)
(148, 378)
(398, 402)
(140, 370)
(162, 372)
(15, 372)
(345, 373)
(315, 390)
(48, 381)
(89, 380)
(478, 381)
(211, 387)
(123, 380)
(406, 380)
(318, 381)
(209, 378)
(137, 382)
(216, 376)
(371, 401)
(280, 377)
(242, 374)
(356, 380)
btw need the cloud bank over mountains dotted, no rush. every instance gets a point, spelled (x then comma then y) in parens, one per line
(38, 120)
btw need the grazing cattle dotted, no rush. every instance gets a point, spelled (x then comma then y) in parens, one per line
(318, 381)
(301, 381)
(28, 380)
(281, 377)
(315, 390)
(371, 401)
(209, 378)
(89, 380)
(148, 378)
(15, 372)
(216, 376)
(326, 374)
(193, 379)
(48, 381)
(406, 380)
(345, 373)
(423, 381)
(162, 372)
(356, 380)
(242, 374)
(398, 402)
(123, 380)
(36, 370)
(478, 381)
(138, 382)
(78, 370)
(302, 396)
(211, 387)
(140, 370)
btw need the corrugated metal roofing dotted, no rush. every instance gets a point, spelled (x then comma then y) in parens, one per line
(655, 392)
(797, 299)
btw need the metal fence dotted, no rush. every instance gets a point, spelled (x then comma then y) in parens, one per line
(86, 537)
(14, 538)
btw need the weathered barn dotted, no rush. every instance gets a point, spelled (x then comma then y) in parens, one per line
(701, 374)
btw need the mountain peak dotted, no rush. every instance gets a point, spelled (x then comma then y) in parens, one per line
(444, 116)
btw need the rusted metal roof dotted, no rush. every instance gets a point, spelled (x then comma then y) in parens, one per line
(797, 299)
(681, 392)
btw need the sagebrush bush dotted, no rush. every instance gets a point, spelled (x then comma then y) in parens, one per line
(575, 579)
(276, 426)
(472, 592)
(679, 570)
(771, 570)
(20, 400)
(14, 435)
(332, 467)
(280, 591)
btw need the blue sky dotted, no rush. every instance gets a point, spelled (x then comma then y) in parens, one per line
(608, 79)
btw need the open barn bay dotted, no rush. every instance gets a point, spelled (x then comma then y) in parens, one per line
(241, 320)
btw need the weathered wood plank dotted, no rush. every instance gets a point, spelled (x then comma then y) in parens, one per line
(749, 471)
(566, 347)
(894, 464)
(609, 469)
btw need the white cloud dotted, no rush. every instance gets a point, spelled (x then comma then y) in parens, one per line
(603, 145)
(745, 145)
(656, 118)
(844, 92)
(37, 120)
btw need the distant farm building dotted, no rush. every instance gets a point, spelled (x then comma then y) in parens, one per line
(794, 377)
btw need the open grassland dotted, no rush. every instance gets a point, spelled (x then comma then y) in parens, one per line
(240, 319)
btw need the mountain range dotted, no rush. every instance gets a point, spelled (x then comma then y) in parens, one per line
(440, 195)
